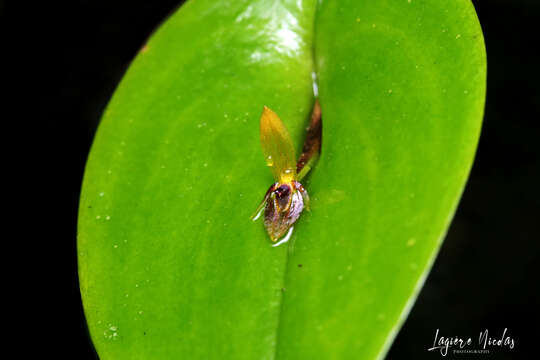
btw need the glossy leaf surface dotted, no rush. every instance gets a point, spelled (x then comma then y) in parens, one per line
(171, 265)
(402, 88)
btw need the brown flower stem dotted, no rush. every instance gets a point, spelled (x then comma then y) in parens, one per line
(312, 144)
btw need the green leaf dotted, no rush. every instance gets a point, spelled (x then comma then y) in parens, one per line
(171, 265)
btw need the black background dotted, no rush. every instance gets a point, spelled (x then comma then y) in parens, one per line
(485, 275)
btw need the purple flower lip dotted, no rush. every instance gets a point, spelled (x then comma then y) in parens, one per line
(284, 204)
